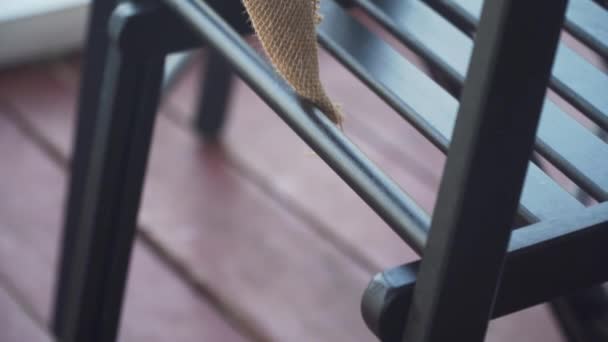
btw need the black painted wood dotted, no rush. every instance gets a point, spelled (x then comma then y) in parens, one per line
(541, 265)
(573, 77)
(406, 89)
(493, 140)
(421, 101)
(573, 149)
(89, 99)
(214, 96)
(561, 139)
(99, 260)
(391, 203)
(588, 22)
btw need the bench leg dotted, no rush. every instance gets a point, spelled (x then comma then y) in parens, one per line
(95, 267)
(583, 317)
(216, 84)
(89, 99)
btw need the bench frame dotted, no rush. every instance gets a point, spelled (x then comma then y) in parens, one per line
(113, 139)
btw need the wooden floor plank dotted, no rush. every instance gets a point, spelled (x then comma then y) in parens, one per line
(159, 306)
(218, 212)
(30, 208)
(263, 262)
(261, 142)
(260, 260)
(15, 325)
(289, 170)
(530, 325)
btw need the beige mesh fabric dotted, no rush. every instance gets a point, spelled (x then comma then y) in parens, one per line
(286, 29)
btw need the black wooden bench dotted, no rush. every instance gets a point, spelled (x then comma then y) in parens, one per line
(473, 267)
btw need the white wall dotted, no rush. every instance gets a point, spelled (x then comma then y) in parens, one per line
(36, 29)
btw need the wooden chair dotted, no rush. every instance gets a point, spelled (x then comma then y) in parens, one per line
(474, 265)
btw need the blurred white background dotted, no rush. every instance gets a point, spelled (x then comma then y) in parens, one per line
(36, 29)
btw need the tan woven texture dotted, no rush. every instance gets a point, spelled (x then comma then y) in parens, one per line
(286, 29)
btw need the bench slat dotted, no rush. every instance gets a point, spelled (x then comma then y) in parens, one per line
(573, 77)
(582, 84)
(588, 22)
(421, 101)
(405, 217)
(449, 50)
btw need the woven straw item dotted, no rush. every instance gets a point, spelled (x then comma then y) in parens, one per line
(286, 29)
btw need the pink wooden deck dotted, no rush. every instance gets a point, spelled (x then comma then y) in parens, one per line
(254, 239)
